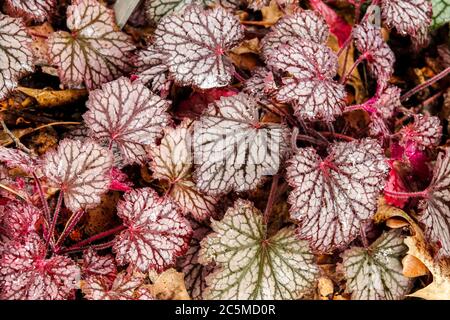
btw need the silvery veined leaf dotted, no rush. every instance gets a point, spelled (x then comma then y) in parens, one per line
(35, 10)
(19, 220)
(233, 149)
(27, 274)
(252, 266)
(380, 58)
(156, 233)
(195, 273)
(436, 206)
(195, 42)
(172, 162)
(15, 158)
(127, 115)
(81, 133)
(80, 170)
(332, 195)
(260, 84)
(311, 88)
(376, 273)
(408, 17)
(305, 25)
(425, 131)
(157, 9)
(95, 265)
(382, 109)
(95, 51)
(441, 12)
(124, 286)
(152, 71)
(16, 57)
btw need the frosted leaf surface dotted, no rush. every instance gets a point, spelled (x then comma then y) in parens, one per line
(376, 273)
(436, 206)
(20, 279)
(16, 57)
(195, 43)
(233, 150)
(311, 88)
(156, 233)
(332, 195)
(306, 25)
(252, 266)
(95, 52)
(80, 170)
(126, 115)
(36, 10)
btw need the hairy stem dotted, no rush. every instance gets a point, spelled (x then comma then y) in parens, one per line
(14, 192)
(51, 231)
(337, 135)
(424, 85)
(96, 237)
(405, 195)
(271, 199)
(16, 140)
(70, 225)
(99, 246)
(350, 71)
(42, 197)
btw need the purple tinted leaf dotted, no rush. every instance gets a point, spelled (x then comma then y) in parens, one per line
(36, 10)
(126, 115)
(80, 170)
(376, 273)
(331, 196)
(233, 150)
(16, 57)
(312, 66)
(195, 43)
(172, 162)
(381, 109)
(409, 17)
(26, 273)
(436, 206)
(261, 83)
(95, 265)
(380, 58)
(425, 131)
(14, 158)
(123, 287)
(156, 232)
(95, 51)
(20, 220)
(308, 26)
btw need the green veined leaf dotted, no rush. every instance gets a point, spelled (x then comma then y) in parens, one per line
(441, 13)
(252, 266)
(375, 273)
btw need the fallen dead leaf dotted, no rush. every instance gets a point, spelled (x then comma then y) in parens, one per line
(170, 285)
(326, 288)
(271, 13)
(396, 223)
(413, 267)
(247, 46)
(439, 289)
(39, 46)
(102, 217)
(355, 80)
(54, 98)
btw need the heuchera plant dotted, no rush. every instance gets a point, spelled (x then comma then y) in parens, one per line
(202, 154)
